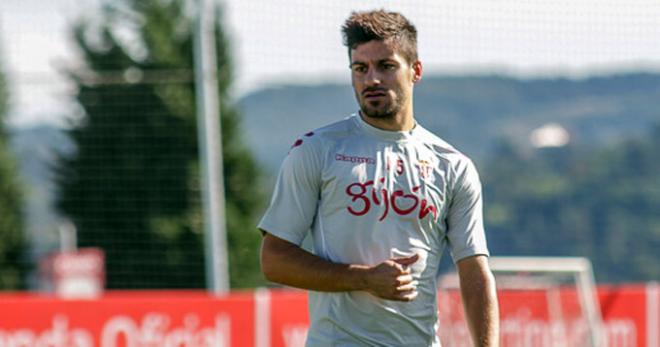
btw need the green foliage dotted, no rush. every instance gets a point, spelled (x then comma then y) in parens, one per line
(133, 189)
(601, 204)
(12, 243)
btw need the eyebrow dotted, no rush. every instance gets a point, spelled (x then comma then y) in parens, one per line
(387, 60)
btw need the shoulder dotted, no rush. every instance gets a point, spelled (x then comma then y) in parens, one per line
(325, 136)
(454, 159)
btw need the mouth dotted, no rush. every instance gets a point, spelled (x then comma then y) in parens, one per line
(374, 94)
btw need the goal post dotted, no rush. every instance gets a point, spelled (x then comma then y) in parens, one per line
(544, 301)
(581, 270)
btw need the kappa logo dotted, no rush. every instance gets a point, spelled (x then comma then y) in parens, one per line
(355, 159)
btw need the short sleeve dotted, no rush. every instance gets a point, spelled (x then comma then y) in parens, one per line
(295, 198)
(465, 227)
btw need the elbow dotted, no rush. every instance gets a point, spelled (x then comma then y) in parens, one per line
(272, 273)
(277, 259)
(268, 264)
(268, 271)
(265, 264)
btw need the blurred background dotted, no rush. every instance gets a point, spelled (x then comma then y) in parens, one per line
(556, 102)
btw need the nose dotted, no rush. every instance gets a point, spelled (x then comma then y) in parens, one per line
(372, 78)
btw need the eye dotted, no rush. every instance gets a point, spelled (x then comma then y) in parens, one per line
(388, 66)
(359, 68)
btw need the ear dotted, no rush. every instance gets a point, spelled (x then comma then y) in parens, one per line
(417, 71)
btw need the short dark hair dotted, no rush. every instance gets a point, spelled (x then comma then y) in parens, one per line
(362, 27)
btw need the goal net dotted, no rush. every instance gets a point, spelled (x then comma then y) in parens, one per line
(544, 302)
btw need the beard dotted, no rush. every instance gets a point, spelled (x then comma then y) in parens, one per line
(382, 108)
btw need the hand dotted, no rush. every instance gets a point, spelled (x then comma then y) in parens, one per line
(392, 279)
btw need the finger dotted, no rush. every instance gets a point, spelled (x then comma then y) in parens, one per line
(412, 286)
(407, 296)
(402, 269)
(406, 260)
(403, 280)
(411, 296)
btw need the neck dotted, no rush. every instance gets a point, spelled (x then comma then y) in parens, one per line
(402, 121)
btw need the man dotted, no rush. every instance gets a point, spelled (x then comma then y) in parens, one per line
(381, 197)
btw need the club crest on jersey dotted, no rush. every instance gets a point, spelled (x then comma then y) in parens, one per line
(424, 168)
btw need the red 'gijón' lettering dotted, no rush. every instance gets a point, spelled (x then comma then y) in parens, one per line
(381, 196)
(424, 210)
(374, 196)
(402, 196)
(359, 196)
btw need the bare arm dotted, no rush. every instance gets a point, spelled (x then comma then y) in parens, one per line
(286, 263)
(479, 300)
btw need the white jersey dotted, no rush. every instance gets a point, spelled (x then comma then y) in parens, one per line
(367, 195)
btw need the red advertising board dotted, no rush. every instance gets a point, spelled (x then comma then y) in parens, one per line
(279, 318)
(626, 321)
(141, 319)
(543, 318)
(289, 318)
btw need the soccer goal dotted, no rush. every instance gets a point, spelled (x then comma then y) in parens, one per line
(544, 301)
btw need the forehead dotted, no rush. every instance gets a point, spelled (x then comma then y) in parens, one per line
(374, 51)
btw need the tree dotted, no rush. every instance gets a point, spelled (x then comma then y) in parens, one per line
(598, 203)
(133, 187)
(12, 243)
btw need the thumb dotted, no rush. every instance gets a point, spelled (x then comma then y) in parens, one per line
(406, 260)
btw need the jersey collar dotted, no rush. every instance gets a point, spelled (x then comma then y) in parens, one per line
(397, 136)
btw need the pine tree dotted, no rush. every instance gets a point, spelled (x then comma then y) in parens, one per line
(12, 243)
(133, 187)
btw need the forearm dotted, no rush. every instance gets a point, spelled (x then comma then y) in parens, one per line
(286, 263)
(481, 308)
